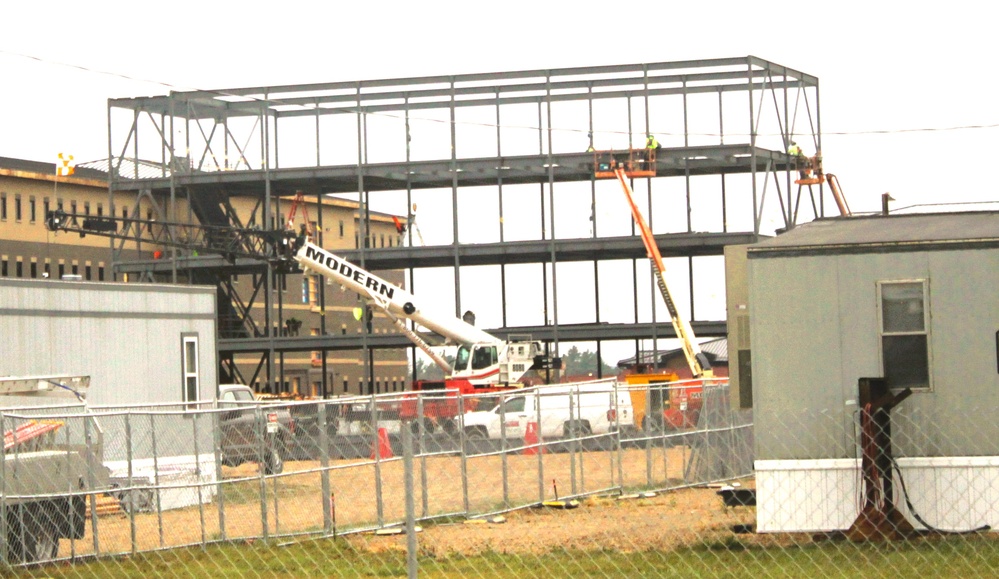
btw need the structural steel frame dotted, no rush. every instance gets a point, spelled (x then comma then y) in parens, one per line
(217, 144)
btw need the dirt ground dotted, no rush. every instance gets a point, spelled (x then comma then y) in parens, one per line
(295, 503)
(663, 521)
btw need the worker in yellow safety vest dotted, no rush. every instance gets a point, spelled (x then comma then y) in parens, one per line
(651, 142)
(801, 163)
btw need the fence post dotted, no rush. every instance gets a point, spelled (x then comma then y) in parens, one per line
(198, 413)
(541, 447)
(220, 484)
(424, 490)
(376, 446)
(324, 463)
(646, 427)
(73, 490)
(129, 497)
(156, 478)
(618, 440)
(91, 484)
(577, 433)
(464, 455)
(504, 467)
(4, 553)
(261, 430)
(407, 464)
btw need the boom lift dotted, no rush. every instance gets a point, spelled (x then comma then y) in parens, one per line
(810, 173)
(686, 400)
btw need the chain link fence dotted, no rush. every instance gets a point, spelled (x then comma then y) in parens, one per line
(595, 479)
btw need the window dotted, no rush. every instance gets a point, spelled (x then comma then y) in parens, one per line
(3, 206)
(32, 213)
(87, 272)
(86, 207)
(484, 357)
(46, 206)
(189, 354)
(512, 406)
(20, 268)
(904, 333)
(313, 289)
(72, 207)
(48, 269)
(59, 205)
(100, 210)
(3, 267)
(341, 229)
(34, 269)
(100, 272)
(17, 207)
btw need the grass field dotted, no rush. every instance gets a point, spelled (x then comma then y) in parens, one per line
(976, 556)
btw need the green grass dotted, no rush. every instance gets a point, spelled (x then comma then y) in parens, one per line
(932, 557)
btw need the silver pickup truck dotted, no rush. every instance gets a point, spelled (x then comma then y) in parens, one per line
(50, 468)
(252, 431)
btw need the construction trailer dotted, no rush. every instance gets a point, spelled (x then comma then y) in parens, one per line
(148, 348)
(840, 302)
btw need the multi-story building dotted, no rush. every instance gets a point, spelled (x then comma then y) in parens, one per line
(29, 189)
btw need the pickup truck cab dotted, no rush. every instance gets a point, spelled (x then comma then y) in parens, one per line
(253, 431)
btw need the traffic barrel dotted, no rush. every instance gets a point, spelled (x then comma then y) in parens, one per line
(384, 448)
(531, 439)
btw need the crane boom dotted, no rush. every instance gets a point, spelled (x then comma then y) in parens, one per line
(394, 299)
(698, 362)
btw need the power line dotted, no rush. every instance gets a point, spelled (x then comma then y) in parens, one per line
(492, 125)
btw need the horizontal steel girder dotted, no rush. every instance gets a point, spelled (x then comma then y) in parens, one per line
(567, 333)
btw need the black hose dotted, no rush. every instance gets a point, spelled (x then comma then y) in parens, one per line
(908, 503)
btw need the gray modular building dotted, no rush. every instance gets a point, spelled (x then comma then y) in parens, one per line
(906, 297)
(149, 349)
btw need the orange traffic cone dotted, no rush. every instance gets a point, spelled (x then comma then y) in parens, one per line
(531, 439)
(384, 448)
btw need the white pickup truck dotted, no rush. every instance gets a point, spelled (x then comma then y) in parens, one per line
(560, 412)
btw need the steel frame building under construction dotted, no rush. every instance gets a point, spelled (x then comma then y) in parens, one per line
(501, 147)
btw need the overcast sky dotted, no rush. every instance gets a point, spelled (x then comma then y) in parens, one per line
(895, 79)
(900, 85)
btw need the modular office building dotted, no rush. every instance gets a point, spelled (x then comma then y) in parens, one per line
(910, 298)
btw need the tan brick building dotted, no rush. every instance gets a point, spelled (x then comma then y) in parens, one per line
(29, 189)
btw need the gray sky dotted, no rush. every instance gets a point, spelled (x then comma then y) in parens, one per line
(899, 84)
(887, 70)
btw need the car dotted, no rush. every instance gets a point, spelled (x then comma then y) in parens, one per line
(253, 431)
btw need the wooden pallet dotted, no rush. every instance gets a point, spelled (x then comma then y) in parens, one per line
(106, 506)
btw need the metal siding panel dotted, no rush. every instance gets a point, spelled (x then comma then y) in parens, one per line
(131, 357)
(794, 329)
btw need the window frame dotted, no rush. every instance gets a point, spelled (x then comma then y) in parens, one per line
(187, 375)
(925, 332)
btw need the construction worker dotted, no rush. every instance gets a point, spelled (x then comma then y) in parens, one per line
(800, 160)
(651, 145)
